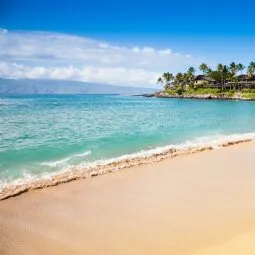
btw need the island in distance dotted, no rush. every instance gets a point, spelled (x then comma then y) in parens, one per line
(30, 86)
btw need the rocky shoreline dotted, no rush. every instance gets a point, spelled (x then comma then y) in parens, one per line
(237, 96)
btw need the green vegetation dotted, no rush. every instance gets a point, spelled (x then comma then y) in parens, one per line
(193, 91)
(245, 93)
(248, 93)
(226, 81)
(230, 93)
(170, 92)
(204, 91)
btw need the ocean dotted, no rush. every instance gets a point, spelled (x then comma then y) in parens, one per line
(43, 135)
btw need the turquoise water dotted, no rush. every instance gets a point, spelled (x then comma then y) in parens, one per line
(40, 135)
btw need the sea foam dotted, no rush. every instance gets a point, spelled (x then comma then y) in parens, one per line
(86, 170)
(64, 161)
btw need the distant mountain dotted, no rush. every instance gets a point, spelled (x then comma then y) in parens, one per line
(26, 86)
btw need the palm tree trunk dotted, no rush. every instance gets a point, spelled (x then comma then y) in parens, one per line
(221, 82)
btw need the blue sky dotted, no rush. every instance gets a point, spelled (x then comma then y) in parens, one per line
(178, 33)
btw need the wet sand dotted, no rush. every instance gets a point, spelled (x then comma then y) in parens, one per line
(195, 204)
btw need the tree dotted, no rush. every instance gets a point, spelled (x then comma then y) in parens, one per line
(251, 69)
(178, 78)
(216, 75)
(233, 69)
(160, 80)
(204, 68)
(252, 64)
(220, 70)
(221, 75)
(167, 78)
(209, 71)
(241, 67)
(190, 77)
(191, 70)
(223, 70)
(226, 74)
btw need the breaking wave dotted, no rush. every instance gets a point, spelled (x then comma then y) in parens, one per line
(86, 170)
(65, 161)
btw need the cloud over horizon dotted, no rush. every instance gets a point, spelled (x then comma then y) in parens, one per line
(47, 55)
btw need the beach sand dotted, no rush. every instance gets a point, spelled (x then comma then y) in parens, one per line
(199, 204)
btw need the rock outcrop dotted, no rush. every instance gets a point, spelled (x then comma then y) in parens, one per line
(236, 96)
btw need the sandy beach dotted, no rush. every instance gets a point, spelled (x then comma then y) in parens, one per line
(199, 204)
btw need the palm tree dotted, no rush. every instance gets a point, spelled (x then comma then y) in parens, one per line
(252, 64)
(191, 70)
(226, 74)
(204, 68)
(186, 77)
(241, 67)
(160, 80)
(167, 77)
(178, 78)
(209, 71)
(251, 69)
(220, 68)
(190, 76)
(233, 68)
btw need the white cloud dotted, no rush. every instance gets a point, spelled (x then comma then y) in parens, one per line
(60, 56)
(113, 75)
(166, 51)
(136, 49)
(148, 50)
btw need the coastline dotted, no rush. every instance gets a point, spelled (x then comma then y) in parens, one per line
(198, 96)
(121, 163)
(194, 204)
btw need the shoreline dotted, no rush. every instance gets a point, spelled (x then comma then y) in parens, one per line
(119, 164)
(198, 96)
(197, 204)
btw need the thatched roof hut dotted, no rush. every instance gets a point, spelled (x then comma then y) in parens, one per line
(201, 78)
(245, 77)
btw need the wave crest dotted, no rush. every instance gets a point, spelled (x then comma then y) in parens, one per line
(64, 161)
(100, 167)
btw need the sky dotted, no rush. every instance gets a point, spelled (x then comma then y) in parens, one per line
(121, 42)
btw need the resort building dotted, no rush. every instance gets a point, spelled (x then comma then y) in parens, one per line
(204, 80)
